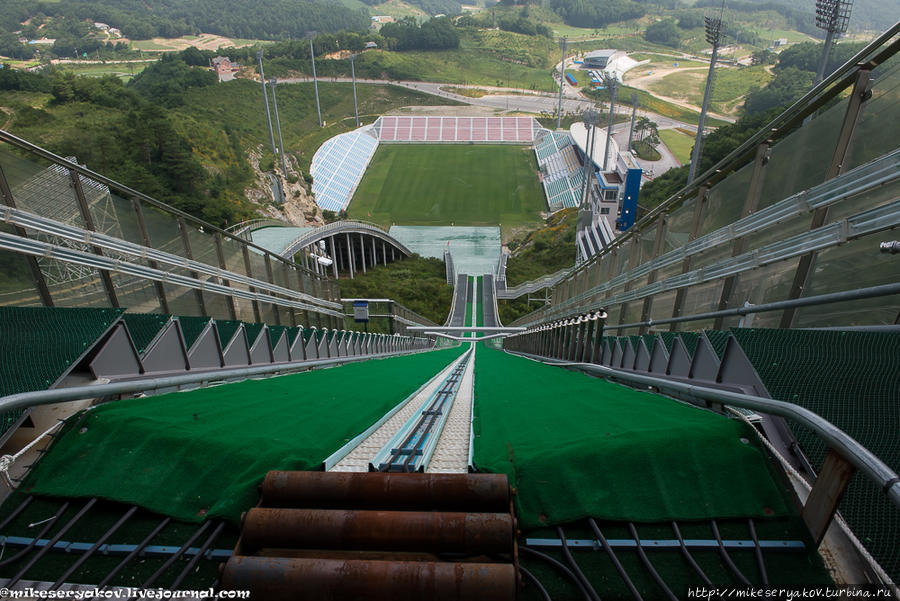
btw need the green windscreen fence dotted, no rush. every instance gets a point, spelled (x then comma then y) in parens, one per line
(144, 327)
(852, 379)
(38, 345)
(577, 446)
(203, 453)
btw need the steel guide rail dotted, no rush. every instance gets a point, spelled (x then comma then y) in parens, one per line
(411, 447)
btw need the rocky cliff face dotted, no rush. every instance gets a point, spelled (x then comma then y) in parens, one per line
(299, 207)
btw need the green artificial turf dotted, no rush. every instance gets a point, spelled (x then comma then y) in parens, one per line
(444, 184)
(576, 446)
(203, 453)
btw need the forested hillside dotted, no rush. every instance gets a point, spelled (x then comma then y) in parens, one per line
(143, 19)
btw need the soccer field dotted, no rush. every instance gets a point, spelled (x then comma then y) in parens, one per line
(444, 184)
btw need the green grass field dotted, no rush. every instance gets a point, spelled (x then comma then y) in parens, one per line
(450, 184)
(729, 87)
(678, 143)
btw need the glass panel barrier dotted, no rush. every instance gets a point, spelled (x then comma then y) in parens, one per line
(182, 301)
(679, 226)
(726, 200)
(662, 305)
(800, 160)
(856, 264)
(16, 284)
(137, 295)
(871, 138)
(764, 285)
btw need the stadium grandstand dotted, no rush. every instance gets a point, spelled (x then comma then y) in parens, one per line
(338, 166)
(561, 172)
(710, 403)
(491, 130)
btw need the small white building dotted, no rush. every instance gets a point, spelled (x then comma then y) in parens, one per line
(599, 59)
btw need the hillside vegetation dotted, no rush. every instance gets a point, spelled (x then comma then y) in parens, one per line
(137, 19)
(175, 133)
(418, 283)
(543, 251)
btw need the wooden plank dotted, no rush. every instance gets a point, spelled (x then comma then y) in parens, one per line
(826, 494)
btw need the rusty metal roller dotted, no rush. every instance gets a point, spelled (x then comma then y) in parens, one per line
(448, 492)
(295, 579)
(449, 532)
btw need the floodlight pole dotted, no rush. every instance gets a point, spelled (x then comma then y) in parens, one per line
(826, 52)
(714, 37)
(613, 85)
(562, 76)
(833, 16)
(634, 103)
(590, 126)
(353, 73)
(273, 82)
(312, 56)
(262, 79)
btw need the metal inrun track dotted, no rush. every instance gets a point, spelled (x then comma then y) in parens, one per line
(419, 440)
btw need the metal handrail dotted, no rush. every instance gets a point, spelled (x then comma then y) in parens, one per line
(848, 447)
(14, 140)
(49, 226)
(545, 281)
(22, 400)
(806, 301)
(242, 228)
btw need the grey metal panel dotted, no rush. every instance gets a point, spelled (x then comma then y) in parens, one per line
(260, 351)
(323, 347)
(335, 347)
(679, 360)
(642, 361)
(207, 350)
(167, 353)
(117, 355)
(705, 365)
(238, 350)
(281, 352)
(659, 357)
(628, 355)
(607, 353)
(617, 354)
(736, 368)
(299, 348)
(311, 349)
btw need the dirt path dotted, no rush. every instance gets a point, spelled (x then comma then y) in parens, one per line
(643, 83)
(9, 116)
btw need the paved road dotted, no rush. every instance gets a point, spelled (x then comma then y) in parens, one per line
(520, 100)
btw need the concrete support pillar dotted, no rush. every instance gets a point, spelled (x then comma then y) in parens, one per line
(350, 258)
(334, 258)
(362, 252)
